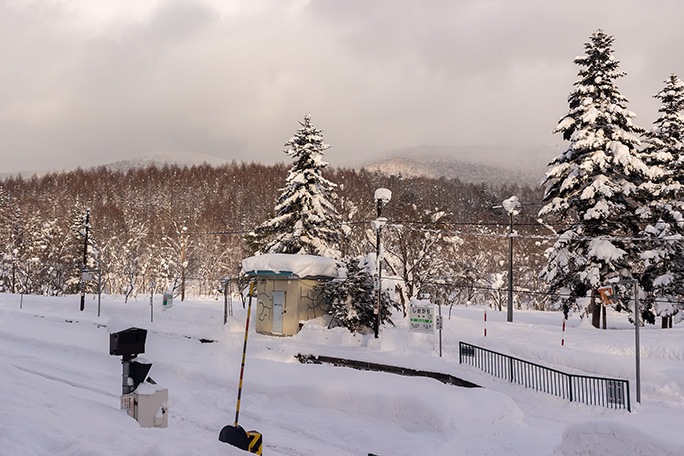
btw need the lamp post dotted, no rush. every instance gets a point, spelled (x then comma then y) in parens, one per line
(382, 197)
(511, 206)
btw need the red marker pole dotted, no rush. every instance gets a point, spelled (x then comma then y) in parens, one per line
(563, 338)
(485, 323)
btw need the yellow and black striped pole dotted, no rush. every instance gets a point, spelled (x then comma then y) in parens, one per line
(244, 351)
(251, 441)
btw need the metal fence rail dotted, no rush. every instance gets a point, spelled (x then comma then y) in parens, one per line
(605, 392)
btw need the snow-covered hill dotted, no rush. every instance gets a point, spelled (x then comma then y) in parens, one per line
(158, 159)
(474, 164)
(61, 388)
(167, 158)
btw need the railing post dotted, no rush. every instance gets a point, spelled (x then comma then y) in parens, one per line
(629, 406)
(570, 387)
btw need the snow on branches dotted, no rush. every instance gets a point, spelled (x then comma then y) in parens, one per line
(306, 221)
(593, 183)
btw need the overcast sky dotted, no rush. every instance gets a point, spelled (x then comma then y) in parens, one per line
(89, 82)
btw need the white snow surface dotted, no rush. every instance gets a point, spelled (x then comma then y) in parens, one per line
(61, 389)
(299, 265)
(117, 324)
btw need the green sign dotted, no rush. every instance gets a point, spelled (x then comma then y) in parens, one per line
(421, 319)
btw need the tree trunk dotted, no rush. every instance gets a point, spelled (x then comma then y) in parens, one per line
(663, 324)
(595, 310)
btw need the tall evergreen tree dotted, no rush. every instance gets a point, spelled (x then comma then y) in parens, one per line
(590, 187)
(305, 222)
(662, 209)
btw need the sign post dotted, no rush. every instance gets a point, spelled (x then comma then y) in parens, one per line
(607, 295)
(167, 300)
(421, 319)
(439, 326)
(152, 302)
(86, 276)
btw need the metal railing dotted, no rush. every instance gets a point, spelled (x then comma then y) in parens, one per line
(605, 392)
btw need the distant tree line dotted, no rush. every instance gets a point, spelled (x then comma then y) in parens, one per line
(167, 223)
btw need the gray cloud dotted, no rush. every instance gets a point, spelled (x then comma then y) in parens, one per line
(233, 79)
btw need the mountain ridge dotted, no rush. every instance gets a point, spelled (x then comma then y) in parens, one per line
(167, 158)
(472, 164)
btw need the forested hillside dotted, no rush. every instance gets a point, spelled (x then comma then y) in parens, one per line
(166, 224)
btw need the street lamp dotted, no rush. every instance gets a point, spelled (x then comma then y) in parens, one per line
(382, 197)
(511, 206)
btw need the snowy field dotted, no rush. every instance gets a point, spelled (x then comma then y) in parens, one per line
(60, 388)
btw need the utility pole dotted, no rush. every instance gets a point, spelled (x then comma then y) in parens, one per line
(183, 263)
(14, 237)
(637, 318)
(636, 341)
(85, 258)
(14, 270)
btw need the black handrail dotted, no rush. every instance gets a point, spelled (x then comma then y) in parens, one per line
(605, 392)
(365, 365)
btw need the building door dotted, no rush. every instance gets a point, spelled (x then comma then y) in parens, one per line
(278, 309)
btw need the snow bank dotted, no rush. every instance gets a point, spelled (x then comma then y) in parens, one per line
(61, 388)
(299, 265)
(609, 438)
(412, 404)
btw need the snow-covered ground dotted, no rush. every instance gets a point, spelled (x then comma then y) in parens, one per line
(60, 388)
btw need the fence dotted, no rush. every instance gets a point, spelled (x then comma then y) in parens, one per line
(605, 392)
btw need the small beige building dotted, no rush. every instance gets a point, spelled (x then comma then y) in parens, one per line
(286, 290)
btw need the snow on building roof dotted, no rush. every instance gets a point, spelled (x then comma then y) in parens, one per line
(287, 264)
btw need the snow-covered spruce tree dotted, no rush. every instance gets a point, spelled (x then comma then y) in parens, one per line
(306, 221)
(352, 298)
(662, 210)
(590, 187)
